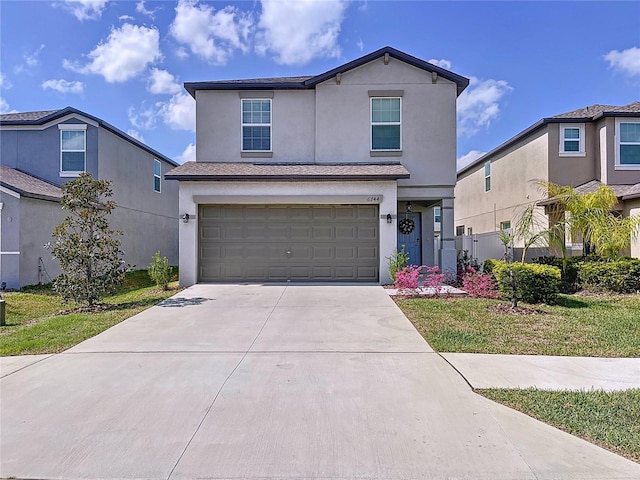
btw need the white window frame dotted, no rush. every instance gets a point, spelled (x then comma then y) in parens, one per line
(618, 165)
(581, 148)
(505, 225)
(371, 124)
(65, 127)
(270, 125)
(159, 177)
(487, 176)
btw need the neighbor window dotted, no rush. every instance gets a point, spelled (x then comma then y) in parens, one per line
(487, 176)
(506, 225)
(469, 231)
(73, 146)
(386, 127)
(572, 139)
(628, 144)
(460, 230)
(437, 214)
(256, 125)
(157, 175)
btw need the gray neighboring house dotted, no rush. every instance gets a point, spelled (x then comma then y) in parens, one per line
(40, 151)
(584, 148)
(320, 178)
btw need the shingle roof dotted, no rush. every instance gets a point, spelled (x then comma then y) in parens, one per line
(28, 185)
(26, 116)
(308, 82)
(593, 111)
(44, 116)
(623, 192)
(255, 171)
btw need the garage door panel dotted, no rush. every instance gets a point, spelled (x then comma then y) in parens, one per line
(295, 242)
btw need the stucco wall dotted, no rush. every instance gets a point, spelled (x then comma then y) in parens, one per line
(219, 128)
(10, 240)
(632, 207)
(149, 220)
(573, 170)
(514, 176)
(37, 152)
(299, 192)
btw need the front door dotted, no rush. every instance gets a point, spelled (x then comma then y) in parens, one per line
(412, 240)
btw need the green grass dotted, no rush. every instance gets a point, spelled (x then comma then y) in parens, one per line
(577, 326)
(608, 419)
(35, 323)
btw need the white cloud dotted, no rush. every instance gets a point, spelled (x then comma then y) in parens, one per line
(360, 45)
(140, 8)
(125, 54)
(85, 9)
(4, 83)
(162, 81)
(135, 134)
(126, 18)
(189, 154)
(143, 118)
(4, 107)
(30, 60)
(469, 158)
(295, 32)
(626, 61)
(441, 63)
(182, 53)
(179, 112)
(478, 105)
(63, 86)
(211, 34)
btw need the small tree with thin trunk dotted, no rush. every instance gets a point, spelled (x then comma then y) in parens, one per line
(87, 249)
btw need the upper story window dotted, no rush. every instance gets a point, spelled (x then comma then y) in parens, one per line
(572, 139)
(437, 214)
(487, 176)
(386, 123)
(157, 175)
(628, 144)
(73, 149)
(256, 125)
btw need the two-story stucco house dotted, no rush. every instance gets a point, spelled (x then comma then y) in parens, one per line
(310, 178)
(40, 151)
(584, 148)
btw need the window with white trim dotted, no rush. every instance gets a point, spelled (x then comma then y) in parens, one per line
(487, 176)
(386, 123)
(256, 125)
(572, 139)
(437, 214)
(506, 225)
(157, 175)
(459, 230)
(73, 149)
(628, 144)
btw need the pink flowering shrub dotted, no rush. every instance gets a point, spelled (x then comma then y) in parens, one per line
(434, 279)
(479, 285)
(408, 280)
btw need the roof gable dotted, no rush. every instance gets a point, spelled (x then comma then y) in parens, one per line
(28, 185)
(310, 82)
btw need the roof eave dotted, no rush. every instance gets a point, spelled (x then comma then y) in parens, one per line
(279, 178)
(192, 87)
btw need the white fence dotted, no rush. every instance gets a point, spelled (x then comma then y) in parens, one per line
(481, 246)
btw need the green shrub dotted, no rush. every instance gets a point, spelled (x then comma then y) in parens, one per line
(535, 283)
(398, 260)
(569, 281)
(621, 276)
(159, 271)
(489, 265)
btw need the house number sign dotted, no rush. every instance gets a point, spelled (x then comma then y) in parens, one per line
(373, 199)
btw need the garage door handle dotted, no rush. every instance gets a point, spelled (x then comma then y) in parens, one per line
(288, 252)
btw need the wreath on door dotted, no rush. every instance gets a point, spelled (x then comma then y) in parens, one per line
(406, 226)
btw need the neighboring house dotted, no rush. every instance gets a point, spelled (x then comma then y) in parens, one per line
(40, 151)
(584, 148)
(308, 178)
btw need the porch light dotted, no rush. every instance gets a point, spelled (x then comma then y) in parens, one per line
(409, 206)
(389, 218)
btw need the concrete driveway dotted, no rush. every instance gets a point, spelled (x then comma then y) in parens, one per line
(272, 382)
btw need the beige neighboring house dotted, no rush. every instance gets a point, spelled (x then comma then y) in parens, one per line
(310, 178)
(585, 148)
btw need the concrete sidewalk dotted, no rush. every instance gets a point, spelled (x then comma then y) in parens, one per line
(546, 372)
(272, 382)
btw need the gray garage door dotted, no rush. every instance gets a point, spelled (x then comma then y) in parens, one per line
(288, 242)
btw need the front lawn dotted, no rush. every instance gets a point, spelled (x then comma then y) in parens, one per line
(36, 322)
(608, 419)
(577, 326)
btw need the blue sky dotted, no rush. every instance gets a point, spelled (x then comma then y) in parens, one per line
(125, 61)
